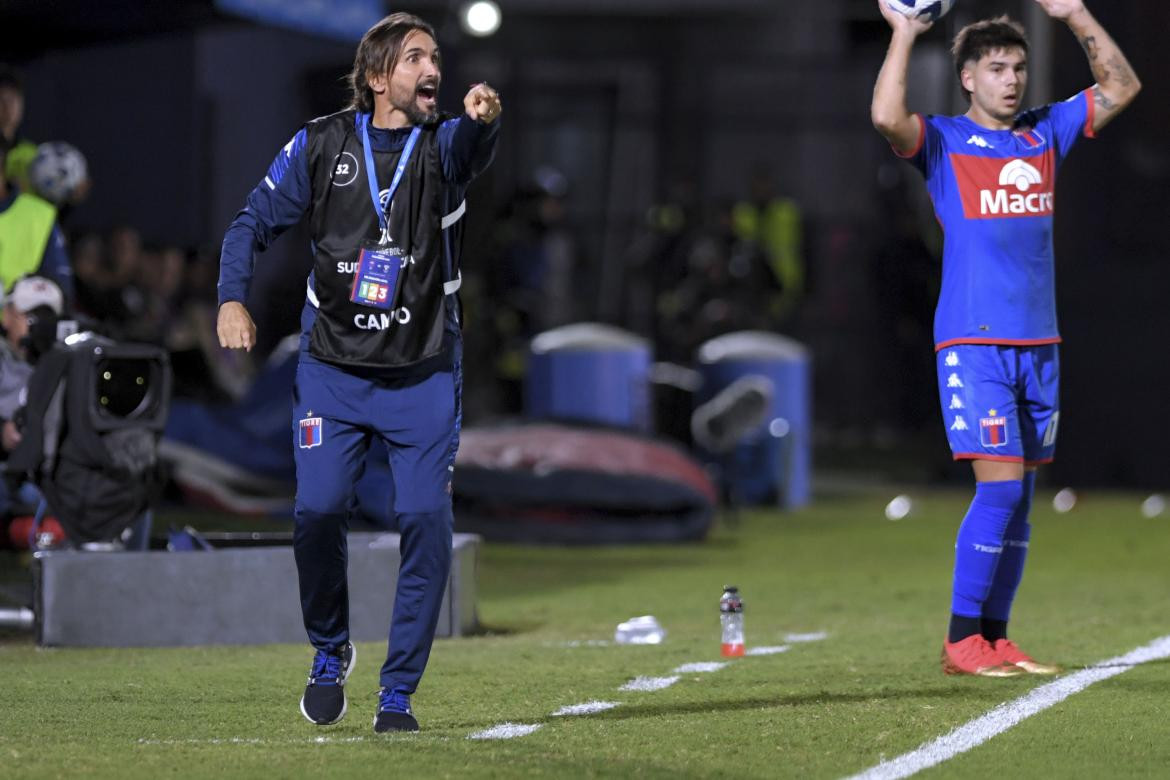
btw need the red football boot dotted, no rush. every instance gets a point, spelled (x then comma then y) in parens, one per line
(975, 655)
(1010, 653)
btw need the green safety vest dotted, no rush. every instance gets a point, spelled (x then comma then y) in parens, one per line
(25, 227)
(776, 227)
(20, 157)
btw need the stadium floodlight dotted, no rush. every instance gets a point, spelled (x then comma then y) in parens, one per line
(481, 18)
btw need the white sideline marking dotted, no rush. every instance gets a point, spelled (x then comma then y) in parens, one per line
(815, 636)
(506, 731)
(587, 708)
(700, 666)
(649, 683)
(513, 730)
(1006, 715)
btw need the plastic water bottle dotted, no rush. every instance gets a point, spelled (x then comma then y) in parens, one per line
(641, 630)
(731, 616)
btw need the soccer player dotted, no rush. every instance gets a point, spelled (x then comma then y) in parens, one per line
(382, 187)
(991, 174)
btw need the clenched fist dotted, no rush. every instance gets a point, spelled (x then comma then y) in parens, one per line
(235, 327)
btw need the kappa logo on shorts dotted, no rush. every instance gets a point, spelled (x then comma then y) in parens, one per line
(993, 431)
(952, 359)
(959, 424)
(954, 381)
(956, 402)
(311, 433)
(1050, 429)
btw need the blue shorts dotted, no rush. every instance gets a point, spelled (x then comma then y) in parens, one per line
(1000, 403)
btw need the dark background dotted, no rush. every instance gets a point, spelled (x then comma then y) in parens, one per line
(180, 107)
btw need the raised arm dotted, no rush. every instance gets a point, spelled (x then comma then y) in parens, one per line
(888, 110)
(1117, 85)
(468, 144)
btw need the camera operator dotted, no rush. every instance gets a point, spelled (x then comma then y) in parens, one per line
(31, 311)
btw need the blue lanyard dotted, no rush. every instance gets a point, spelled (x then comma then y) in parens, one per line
(372, 175)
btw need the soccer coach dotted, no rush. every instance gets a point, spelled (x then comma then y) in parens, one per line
(382, 186)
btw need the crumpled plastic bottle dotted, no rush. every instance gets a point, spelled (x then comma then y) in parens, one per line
(642, 630)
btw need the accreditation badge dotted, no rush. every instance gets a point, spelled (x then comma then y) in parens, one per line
(379, 270)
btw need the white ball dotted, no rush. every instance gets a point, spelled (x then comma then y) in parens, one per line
(57, 171)
(1064, 500)
(1153, 506)
(899, 507)
(926, 10)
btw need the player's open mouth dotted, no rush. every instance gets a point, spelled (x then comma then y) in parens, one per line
(427, 94)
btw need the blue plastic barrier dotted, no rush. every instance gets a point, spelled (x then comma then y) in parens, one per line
(589, 372)
(774, 463)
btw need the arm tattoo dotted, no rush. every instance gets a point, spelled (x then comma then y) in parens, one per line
(1089, 44)
(1122, 71)
(1100, 99)
(1100, 69)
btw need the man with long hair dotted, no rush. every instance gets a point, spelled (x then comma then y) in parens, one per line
(382, 186)
(991, 173)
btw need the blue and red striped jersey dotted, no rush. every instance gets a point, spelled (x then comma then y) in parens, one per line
(993, 194)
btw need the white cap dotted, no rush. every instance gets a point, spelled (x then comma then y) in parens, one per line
(33, 291)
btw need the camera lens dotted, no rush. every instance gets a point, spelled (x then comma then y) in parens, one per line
(124, 386)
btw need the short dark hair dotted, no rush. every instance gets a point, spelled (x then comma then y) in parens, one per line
(979, 39)
(378, 52)
(10, 78)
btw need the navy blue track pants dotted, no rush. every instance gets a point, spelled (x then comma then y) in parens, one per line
(336, 415)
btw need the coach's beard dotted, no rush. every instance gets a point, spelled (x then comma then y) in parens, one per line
(415, 114)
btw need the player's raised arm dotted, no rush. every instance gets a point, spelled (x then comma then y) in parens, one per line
(888, 110)
(1117, 85)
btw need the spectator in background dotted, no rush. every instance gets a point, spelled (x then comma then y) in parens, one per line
(88, 255)
(174, 316)
(656, 259)
(30, 317)
(231, 369)
(109, 278)
(124, 263)
(727, 286)
(159, 281)
(30, 240)
(21, 151)
(775, 224)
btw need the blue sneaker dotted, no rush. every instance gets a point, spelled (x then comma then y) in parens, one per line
(324, 700)
(394, 713)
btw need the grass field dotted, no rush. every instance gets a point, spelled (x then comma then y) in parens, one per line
(1098, 586)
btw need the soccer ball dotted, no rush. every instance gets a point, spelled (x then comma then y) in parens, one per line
(924, 10)
(57, 171)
